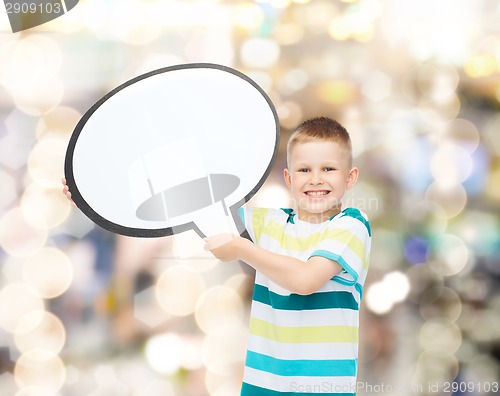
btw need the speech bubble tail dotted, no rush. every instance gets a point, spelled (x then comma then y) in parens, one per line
(214, 220)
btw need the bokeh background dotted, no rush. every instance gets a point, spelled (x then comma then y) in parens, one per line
(417, 84)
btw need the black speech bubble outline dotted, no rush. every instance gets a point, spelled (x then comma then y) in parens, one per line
(45, 11)
(160, 232)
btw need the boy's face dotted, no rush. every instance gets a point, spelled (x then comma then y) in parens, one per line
(318, 178)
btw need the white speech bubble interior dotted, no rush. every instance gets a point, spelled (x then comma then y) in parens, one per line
(198, 140)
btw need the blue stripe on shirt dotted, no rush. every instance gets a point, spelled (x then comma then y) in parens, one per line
(309, 368)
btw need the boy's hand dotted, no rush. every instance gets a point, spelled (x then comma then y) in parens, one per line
(66, 191)
(225, 247)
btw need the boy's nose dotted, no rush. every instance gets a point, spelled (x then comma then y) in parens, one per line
(315, 178)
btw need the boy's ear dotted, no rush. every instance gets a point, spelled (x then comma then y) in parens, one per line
(287, 176)
(353, 177)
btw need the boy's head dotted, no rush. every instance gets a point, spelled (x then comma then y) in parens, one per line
(321, 129)
(319, 170)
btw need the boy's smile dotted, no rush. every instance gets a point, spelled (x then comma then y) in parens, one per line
(318, 178)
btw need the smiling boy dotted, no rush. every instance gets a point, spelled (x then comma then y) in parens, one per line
(311, 263)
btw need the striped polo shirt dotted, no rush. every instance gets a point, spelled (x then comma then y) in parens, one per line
(306, 344)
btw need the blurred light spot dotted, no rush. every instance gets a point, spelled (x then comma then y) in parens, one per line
(392, 289)
(316, 16)
(15, 147)
(18, 237)
(436, 367)
(49, 272)
(106, 380)
(224, 348)
(426, 218)
(164, 353)
(338, 92)
(279, 3)
(479, 230)
(271, 194)
(178, 289)
(12, 268)
(212, 45)
(157, 61)
(451, 199)
(9, 192)
(248, 16)
(378, 299)
(451, 164)
(38, 367)
(452, 254)
(46, 160)
(484, 368)
(147, 309)
(219, 306)
(367, 197)
(477, 180)
(135, 23)
(376, 85)
(422, 277)
(475, 289)
(399, 285)
(191, 353)
(260, 53)
(263, 79)
(36, 391)
(40, 97)
(44, 208)
(490, 133)
(484, 327)
(416, 250)
(357, 22)
(241, 283)
(222, 385)
(440, 335)
(492, 191)
(60, 121)
(440, 302)
(461, 132)
(156, 387)
(40, 329)
(294, 80)
(480, 65)
(289, 114)
(387, 250)
(189, 244)
(26, 301)
(437, 82)
(288, 33)
(411, 154)
(29, 62)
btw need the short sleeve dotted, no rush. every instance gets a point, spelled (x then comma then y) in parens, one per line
(347, 241)
(254, 220)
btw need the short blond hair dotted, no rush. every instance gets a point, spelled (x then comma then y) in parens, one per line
(320, 129)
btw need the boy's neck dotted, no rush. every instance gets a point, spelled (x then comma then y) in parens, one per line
(317, 218)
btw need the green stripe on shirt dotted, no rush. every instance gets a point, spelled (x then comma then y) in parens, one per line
(296, 302)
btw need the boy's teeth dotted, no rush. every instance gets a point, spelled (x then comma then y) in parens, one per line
(316, 193)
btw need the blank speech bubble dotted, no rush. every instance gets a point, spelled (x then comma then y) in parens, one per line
(174, 149)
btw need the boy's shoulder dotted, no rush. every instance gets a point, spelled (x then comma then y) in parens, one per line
(356, 214)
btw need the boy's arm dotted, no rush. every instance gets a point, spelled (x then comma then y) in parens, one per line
(293, 274)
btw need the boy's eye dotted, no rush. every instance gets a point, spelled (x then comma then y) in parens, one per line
(328, 169)
(303, 170)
